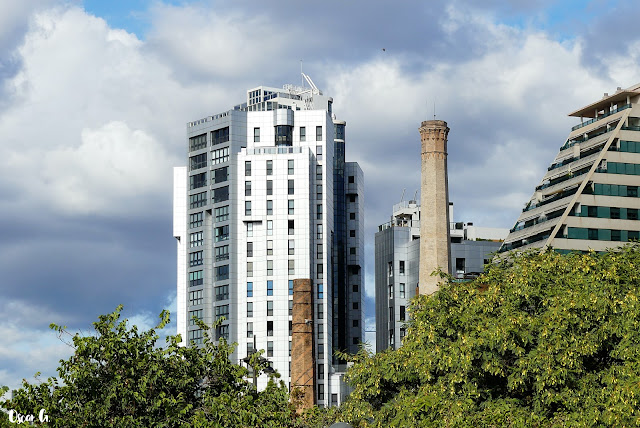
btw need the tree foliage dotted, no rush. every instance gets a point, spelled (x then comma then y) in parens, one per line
(542, 340)
(119, 377)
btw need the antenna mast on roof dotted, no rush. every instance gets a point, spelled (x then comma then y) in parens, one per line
(415, 195)
(314, 88)
(301, 74)
(402, 197)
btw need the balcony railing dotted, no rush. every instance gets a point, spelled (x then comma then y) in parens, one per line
(607, 114)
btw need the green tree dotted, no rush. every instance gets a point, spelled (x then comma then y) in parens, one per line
(542, 340)
(119, 377)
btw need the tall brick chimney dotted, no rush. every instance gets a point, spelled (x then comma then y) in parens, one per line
(303, 377)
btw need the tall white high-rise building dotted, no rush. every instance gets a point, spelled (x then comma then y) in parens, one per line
(266, 198)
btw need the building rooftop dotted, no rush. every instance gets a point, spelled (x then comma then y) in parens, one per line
(618, 98)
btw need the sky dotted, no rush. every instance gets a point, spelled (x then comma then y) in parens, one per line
(95, 97)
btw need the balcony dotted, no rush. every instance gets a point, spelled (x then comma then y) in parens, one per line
(607, 114)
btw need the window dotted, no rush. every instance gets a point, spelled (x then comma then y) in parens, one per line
(221, 194)
(195, 258)
(250, 351)
(401, 267)
(633, 235)
(292, 267)
(291, 206)
(195, 220)
(391, 291)
(291, 247)
(334, 398)
(269, 167)
(269, 207)
(632, 214)
(249, 289)
(269, 308)
(249, 249)
(291, 304)
(290, 187)
(220, 136)
(320, 291)
(222, 292)
(319, 251)
(222, 332)
(401, 290)
(320, 370)
(352, 198)
(318, 191)
(632, 191)
(318, 172)
(195, 336)
(222, 272)
(352, 179)
(195, 278)
(269, 187)
(220, 156)
(198, 200)
(195, 298)
(616, 235)
(403, 333)
(390, 268)
(318, 231)
(247, 208)
(352, 234)
(355, 323)
(269, 248)
(319, 153)
(269, 227)
(247, 188)
(269, 288)
(256, 135)
(352, 216)
(320, 311)
(354, 288)
(320, 386)
(249, 229)
(392, 315)
(303, 133)
(614, 213)
(249, 329)
(592, 234)
(319, 271)
(269, 348)
(592, 211)
(318, 133)
(222, 311)
(195, 315)
(355, 305)
(291, 227)
(197, 143)
(221, 233)
(222, 213)
(291, 289)
(320, 332)
(269, 328)
(198, 161)
(249, 309)
(269, 267)
(196, 239)
(247, 168)
(402, 313)
(320, 351)
(249, 269)
(290, 164)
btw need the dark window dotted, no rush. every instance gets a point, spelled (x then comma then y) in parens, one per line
(402, 313)
(195, 278)
(197, 143)
(221, 233)
(195, 315)
(290, 187)
(221, 194)
(319, 172)
(198, 161)
(291, 227)
(249, 249)
(284, 135)
(195, 258)
(222, 292)
(222, 253)
(616, 235)
(222, 272)
(222, 332)
(222, 311)
(256, 135)
(290, 169)
(198, 180)
(592, 234)
(460, 265)
(614, 213)
(269, 167)
(352, 216)
(632, 214)
(247, 168)
(352, 179)
(269, 328)
(220, 136)
(221, 175)
(355, 323)
(401, 267)
(290, 206)
(303, 133)
(195, 220)
(247, 188)
(318, 133)
(352, 198)
(633, 235)
(632, 191)
(352, 251)
(269, 187)
(319, 211)
(222, 213)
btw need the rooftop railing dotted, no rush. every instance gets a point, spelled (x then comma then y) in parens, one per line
(607, 114)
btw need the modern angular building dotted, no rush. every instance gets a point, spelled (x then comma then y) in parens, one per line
(268, 197)
(397, 265)
(588, 199)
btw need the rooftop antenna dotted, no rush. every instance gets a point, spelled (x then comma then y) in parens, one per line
(434, 109)
(402, 197)
(301, 75)
(415, 195)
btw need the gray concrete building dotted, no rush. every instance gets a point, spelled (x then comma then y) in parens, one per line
(397, 265)
(268, 197)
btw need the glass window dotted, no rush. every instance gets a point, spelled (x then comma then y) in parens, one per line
(291, 289)
(290, 164)
(222, 213)
(614, 212)
(352, 233)
(320, 291)
(402, 313)
(269, 207)
(290, 187)
(222, 272)
(391, 291)
(197, 143)
(269, 308)
(221, 233)
(195, 297)
(220, 156)
(222, 332)
(222, 311)
(291, 303)
(249, 309)
(401, 267)
(318, 231)
(195, 315)
(318, 172)
(632, 214)
(352, 216)
(401, 290)
(291, 227)
(222, 292)
(247, 188)
(269, 167)
(269, 187)
(195, 220)
(320, 311)
(291, 247)
(249, 229)
(220, 194)
(303, 133)
(291, 207)
(292, 267)
(269, 227)
(269, 328)
(318, 191)
(195, 336)
(249, 289)
(318, 133)
(198, 161)
(319, 153)
(249, 269)
(195, 258)
(269, 288)
(352, 179)
(269, 248)
(269, 349)
(198, 200)
(249, 329)
(196, 239)
(247, 168)
(320, 332)
(319, 271)
(220, 136)
(198, 180)
(249, 249)
(269, 267)
(247, 208)
(195, 278)
(256, 135)
(319, 253)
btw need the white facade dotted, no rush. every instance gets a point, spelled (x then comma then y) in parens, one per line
(260, 213)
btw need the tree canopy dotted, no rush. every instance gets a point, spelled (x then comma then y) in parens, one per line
(541, 340)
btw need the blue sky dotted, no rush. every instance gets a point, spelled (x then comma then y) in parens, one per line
(95, 95)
